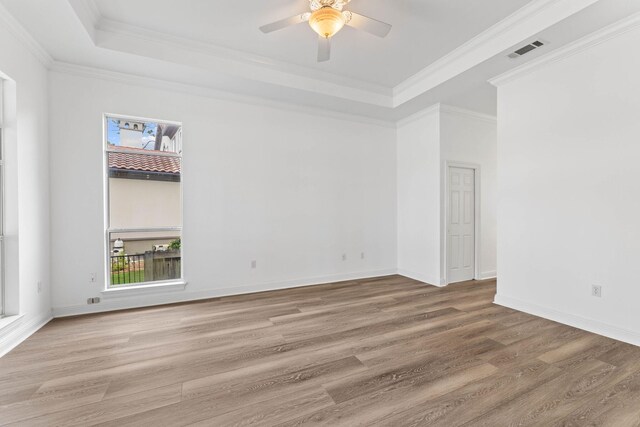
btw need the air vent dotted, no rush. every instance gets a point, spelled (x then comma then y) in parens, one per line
(526, 49)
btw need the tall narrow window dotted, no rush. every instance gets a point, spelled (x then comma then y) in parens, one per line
(2, 296)
(144, 201)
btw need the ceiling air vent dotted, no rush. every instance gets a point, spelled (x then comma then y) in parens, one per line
(526, 49)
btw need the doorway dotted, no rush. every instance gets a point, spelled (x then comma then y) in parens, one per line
(461, 232)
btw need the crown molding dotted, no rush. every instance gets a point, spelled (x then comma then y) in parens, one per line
(24, 37)
(94, 10)
(123, 37)
(470, 114)
(527, 21)
(600, 36)
(447, 109)
(215, 50)
(433, 109)
(88, 14)
(524, 23)
(208, 92)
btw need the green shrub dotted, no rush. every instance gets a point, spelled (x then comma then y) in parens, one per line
(175, 245)
(119, 263)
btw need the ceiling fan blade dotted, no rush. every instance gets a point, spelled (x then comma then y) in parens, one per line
(370, 25)
(284, 23)
(324, 49)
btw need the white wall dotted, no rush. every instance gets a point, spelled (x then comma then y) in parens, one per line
(472, 138)
(291, 190)
(569, 145)
(27, 185)
(425, 143)
(419, 197)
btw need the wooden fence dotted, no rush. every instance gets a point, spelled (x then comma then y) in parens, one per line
(162, 265)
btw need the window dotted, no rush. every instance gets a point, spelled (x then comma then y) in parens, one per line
(143, 167)
(2, 290)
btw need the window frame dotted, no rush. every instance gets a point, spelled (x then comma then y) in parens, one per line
(106, 149)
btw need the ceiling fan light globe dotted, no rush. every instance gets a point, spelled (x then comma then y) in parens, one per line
(327, 21)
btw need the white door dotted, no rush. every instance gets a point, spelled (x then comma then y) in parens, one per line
(461, 225)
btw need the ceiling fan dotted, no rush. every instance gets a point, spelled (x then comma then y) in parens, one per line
(326, 18)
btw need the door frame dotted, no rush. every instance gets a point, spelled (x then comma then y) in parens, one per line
(444, 235)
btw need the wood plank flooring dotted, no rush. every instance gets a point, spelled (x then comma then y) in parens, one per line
(388, 351)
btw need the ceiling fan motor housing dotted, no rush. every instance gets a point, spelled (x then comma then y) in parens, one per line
(335, 4)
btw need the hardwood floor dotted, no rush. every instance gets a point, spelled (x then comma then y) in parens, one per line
(388, 351)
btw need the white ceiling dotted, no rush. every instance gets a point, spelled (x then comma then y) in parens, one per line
(423, 30)
(438, 51)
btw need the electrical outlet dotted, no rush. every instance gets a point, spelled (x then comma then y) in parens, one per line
(254, 263)
(39, 286)
(344, 257)
(94, 300)
(596, 291)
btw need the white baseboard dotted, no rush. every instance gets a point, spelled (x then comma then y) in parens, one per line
(420, 277)
(579, 322)
(16, 332)
(137, 301)
(488, 275)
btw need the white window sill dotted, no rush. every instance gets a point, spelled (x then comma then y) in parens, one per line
(156, 288)
(6, 321)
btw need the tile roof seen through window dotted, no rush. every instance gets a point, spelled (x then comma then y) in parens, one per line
(133, 159)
